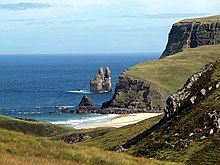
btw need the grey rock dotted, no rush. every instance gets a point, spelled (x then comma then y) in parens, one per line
(203, 92)
(102, 81)
(192, 100)
(218, 85)
(211, 131)
(191, 92)
(203, 137)
(121, 149)
(191, 134)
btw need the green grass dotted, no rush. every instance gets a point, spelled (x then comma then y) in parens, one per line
(19, 148)
(119, 136)
(33, 128)
(190, 120)
(92, 133)
(210, 19)
(169, 74)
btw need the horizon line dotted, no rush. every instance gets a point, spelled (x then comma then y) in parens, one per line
(69, 54)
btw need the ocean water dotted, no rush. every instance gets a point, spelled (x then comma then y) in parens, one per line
(33, 86)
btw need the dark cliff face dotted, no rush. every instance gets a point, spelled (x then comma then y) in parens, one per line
(192, 33)
(132, 93)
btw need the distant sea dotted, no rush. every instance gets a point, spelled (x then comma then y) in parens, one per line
(31, 86)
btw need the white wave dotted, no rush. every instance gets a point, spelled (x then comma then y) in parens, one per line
(79, 91)
(102, 117)
(63, 123)
(88, 120)
(61, 106)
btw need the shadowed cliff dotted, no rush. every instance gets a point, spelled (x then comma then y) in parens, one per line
(191, 33)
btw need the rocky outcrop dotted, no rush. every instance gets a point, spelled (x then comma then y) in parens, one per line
(193, 33)
(133, 93)
(86, 102)
(85, 106)
(102, 81)
(84, 110)
(196, 88)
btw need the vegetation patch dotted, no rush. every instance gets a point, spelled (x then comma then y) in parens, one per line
(119, 136)
(33, 128)
(170, 73)
(188, 137)
(17, 148)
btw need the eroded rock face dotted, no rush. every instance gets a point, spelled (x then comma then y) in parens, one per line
(191, 34)
(195, 89)
(132, 93)
(102, 82)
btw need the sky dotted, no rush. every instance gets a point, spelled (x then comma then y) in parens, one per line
(93, 26)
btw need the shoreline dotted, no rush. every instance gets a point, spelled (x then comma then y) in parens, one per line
(120, 120)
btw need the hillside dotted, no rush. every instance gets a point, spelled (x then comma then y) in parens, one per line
(119, 136)
(18, 148)
(148, 84)
(195, 42)
(191, 33)
(190, 134)
(23, 142)
(171, 73)
(33, 128)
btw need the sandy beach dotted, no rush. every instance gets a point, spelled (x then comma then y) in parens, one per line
(123, 120)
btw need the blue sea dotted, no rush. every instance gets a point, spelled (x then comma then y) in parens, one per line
(31, 86)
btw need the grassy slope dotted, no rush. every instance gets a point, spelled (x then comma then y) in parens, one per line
(210, 19)
(54, 132)
(207, 151)
(171, 72)
(19, 148)
(33, 128)
(117, 137)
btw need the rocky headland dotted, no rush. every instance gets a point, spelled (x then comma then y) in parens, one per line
(147, 85)
(132, 93)
(191, 33)
(86, 106)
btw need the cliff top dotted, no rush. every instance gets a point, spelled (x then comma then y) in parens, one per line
(210, 19)
(170, 73)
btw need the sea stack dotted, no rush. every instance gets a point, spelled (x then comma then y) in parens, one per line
(86, 102)
(102, 81)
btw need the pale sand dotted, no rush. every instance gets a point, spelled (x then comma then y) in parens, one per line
(126, 119)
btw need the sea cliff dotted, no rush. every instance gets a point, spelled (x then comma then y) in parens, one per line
(191, 33)
(148, 84)
(133, 93)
